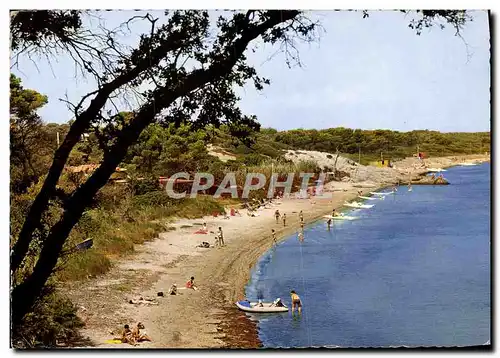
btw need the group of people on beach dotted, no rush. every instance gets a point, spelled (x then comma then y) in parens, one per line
(133, 336)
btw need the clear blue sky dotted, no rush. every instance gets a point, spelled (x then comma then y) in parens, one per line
(364, 73)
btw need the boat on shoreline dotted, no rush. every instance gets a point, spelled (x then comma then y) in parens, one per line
(467, 164)
(262, 307)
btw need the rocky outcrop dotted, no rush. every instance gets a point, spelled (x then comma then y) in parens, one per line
(426, 180)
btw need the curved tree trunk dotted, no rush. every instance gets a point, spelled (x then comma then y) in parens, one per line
(25, 294)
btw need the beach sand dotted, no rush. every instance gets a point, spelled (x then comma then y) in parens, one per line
(207, 317)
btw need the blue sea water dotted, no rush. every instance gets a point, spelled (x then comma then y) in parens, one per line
(412, 271)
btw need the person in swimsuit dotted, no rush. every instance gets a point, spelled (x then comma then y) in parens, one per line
(284, 219)
(277, 215)
(329, 223)
(301, 216)
(274, 236)
(296, 301)
(190, 284)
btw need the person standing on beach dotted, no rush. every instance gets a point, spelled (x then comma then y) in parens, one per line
(300, 236)
(277, 215)
(329, 223)
(296, 301)
(284, 219)
(274, 236)
(221, 236)
(334, 213)
(302, 225)
(301, 216)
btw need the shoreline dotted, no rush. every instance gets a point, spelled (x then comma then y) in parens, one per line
(208, 317)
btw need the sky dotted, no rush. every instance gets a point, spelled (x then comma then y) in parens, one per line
(362, 73)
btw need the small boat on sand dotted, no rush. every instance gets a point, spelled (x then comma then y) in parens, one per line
(340, 217)
(467, 164)
(262, 307)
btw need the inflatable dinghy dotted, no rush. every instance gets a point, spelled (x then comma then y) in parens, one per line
(262, 307)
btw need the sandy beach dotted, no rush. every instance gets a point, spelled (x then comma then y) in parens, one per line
(207, 317)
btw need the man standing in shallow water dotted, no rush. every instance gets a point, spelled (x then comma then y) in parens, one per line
(296, 301)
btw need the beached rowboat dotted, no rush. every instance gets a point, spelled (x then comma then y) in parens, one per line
(267, 307)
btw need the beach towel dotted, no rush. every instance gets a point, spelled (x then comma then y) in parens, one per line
(201, 231)
(113, 341)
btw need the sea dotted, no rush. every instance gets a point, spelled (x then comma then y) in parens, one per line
(412, 271)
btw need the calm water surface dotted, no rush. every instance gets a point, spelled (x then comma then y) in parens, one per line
(414, 270)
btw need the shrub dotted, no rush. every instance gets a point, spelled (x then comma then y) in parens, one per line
(52, 321)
